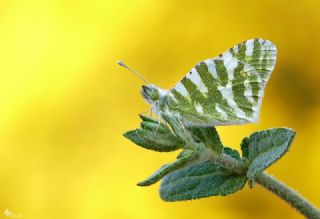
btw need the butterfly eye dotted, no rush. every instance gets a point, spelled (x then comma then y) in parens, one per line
(155, 95)
(150, 93)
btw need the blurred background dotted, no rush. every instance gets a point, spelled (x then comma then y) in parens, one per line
(64, 102)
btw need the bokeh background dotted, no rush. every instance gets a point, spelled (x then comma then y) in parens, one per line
(64, 102)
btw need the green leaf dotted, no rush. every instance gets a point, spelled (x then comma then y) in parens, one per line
(148, 118)
(188, 155)
(245, 147)
(251, 183)
(157, 141)
(266, 147)
(208, 136)
(232, 153)
(198, 181)
(153, 124)
(155, 127)
(154, 135)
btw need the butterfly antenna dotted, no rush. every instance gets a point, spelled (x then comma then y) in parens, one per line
(133, 71)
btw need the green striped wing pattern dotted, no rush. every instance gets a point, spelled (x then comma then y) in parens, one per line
(227, 89)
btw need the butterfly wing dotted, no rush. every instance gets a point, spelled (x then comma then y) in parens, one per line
(227, 89)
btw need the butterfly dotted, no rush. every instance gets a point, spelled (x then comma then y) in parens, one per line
(224, 90)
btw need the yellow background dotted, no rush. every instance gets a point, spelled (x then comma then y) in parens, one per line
(64, 103)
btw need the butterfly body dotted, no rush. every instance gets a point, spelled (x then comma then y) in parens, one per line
(224, 90)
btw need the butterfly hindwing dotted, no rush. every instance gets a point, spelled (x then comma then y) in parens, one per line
(227, 89)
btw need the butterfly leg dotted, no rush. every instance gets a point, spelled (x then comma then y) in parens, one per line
(145, 112)
(190, 138)
(155, 132)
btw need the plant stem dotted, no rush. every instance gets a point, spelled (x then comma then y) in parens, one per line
(275, 186)
(229, 163)
(288, 195)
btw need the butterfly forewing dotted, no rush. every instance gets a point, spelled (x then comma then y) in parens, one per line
(227, 89)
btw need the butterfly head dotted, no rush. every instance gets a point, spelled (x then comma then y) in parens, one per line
(151, 93)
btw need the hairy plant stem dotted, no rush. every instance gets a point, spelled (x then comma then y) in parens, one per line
(275, 186)
(288, 195)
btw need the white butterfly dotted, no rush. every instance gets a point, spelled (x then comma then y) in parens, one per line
(224, 90)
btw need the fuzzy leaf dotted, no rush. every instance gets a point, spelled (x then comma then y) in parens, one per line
(198, 181)
(266, 147)
(188, 155)
(231, 152)
(209, 136)
(162, 142)
(148, 118)
(154, 135)
(245, 147)
(153, 124)
(155, 127)
(251, 183)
